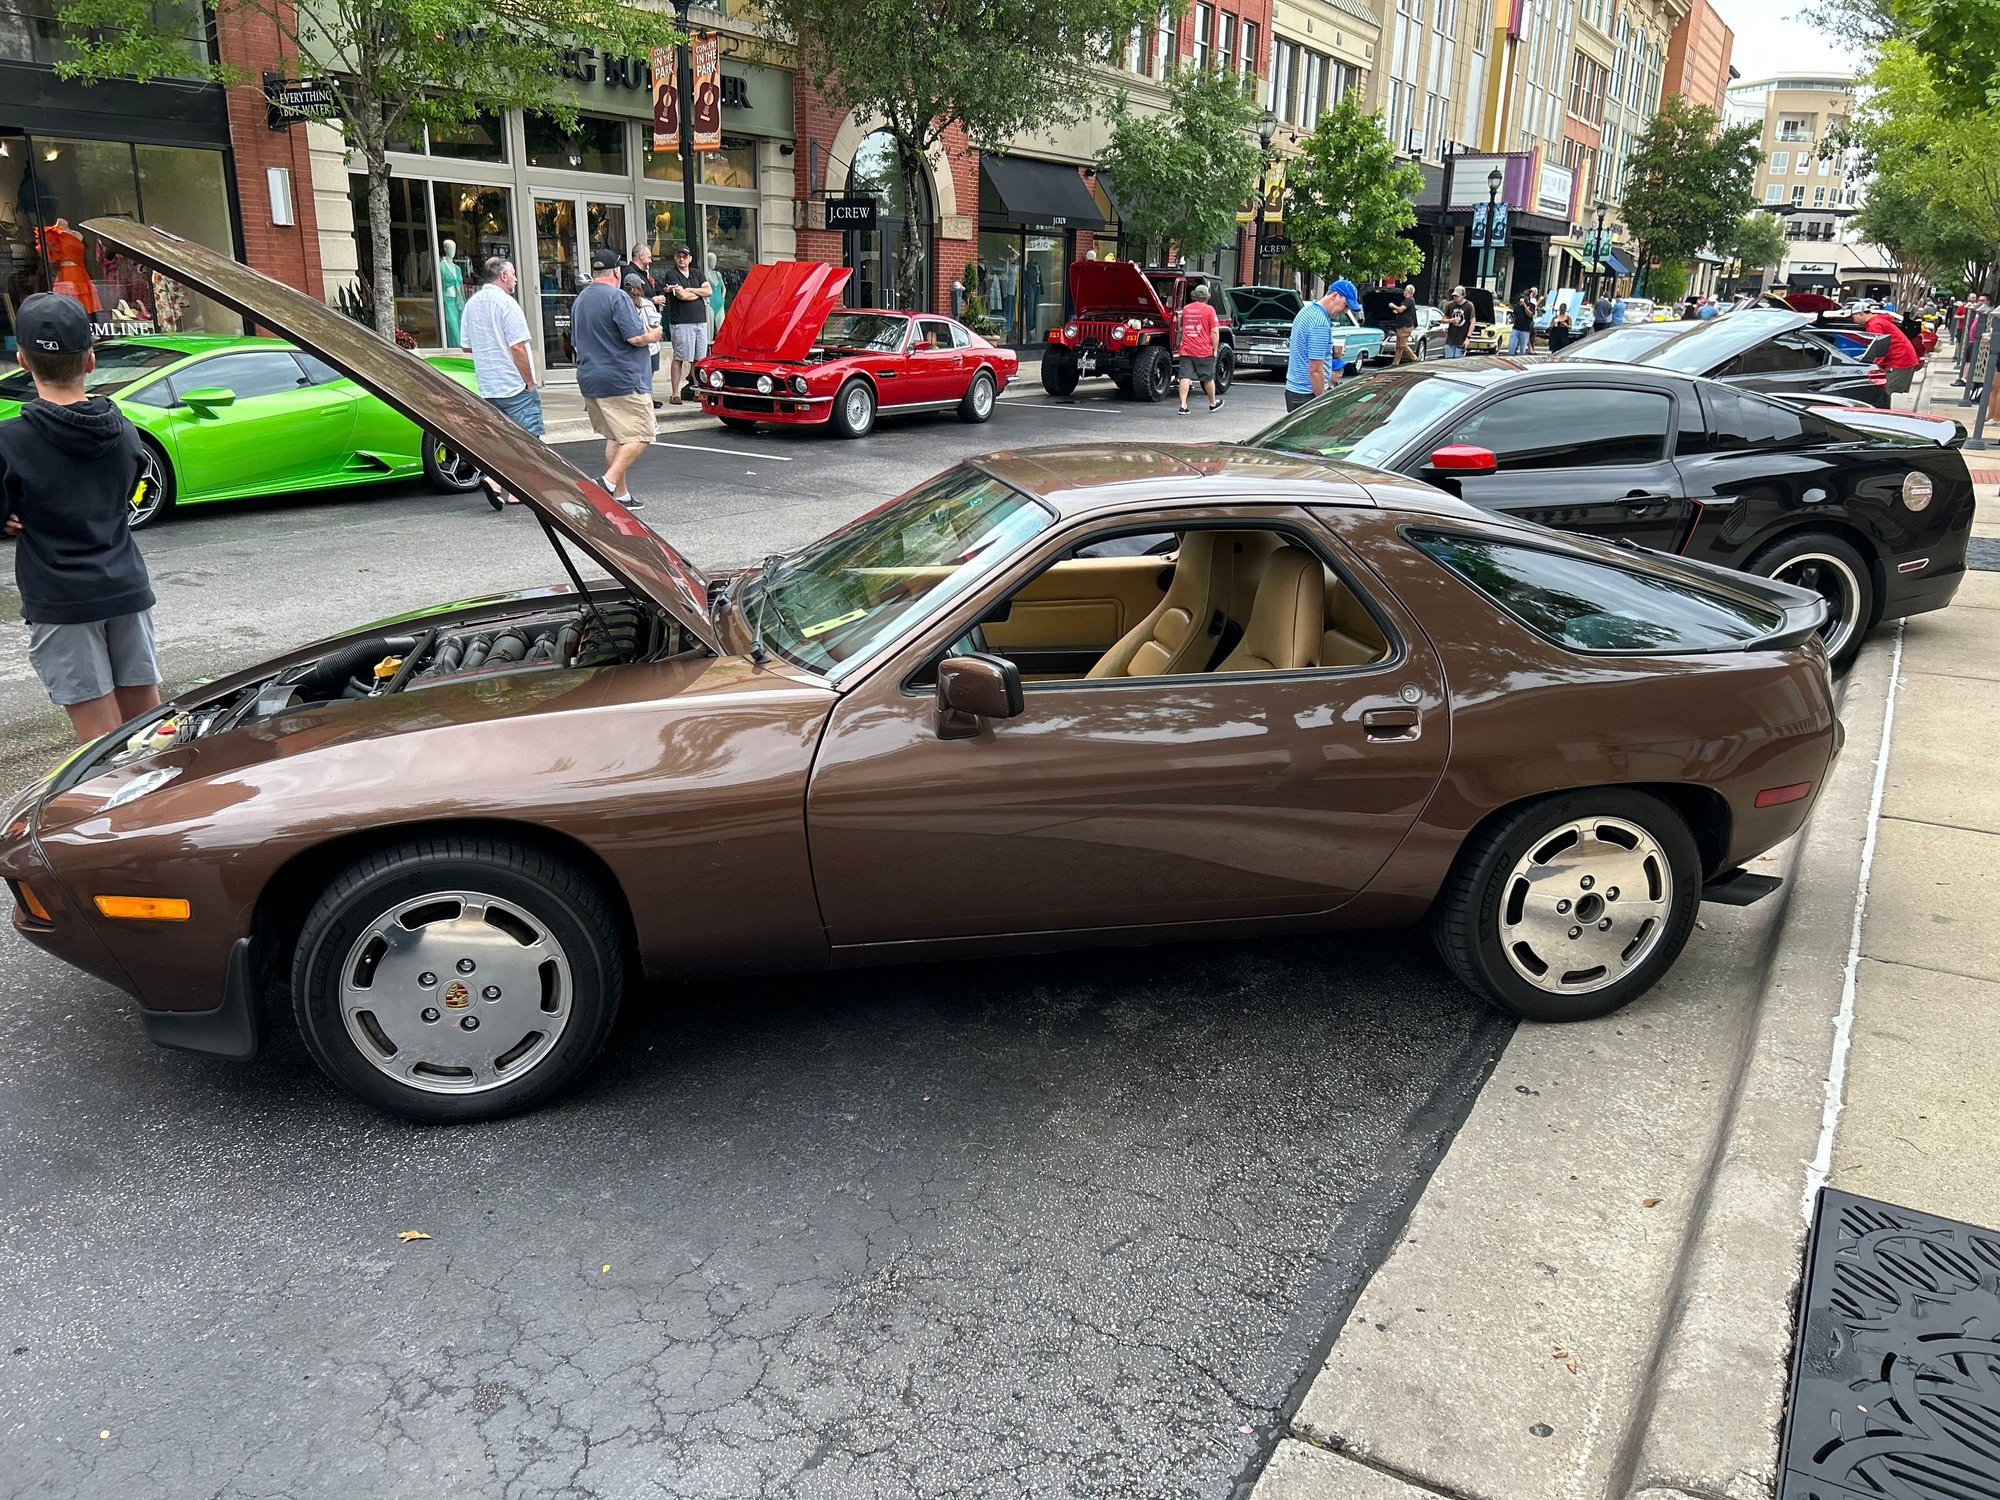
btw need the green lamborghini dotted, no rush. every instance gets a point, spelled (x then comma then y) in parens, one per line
(229, 418)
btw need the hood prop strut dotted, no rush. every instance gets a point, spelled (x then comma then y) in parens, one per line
(569, 567)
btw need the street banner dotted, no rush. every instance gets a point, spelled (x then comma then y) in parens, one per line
(666, 102)
(707, 57)
(1478, 239)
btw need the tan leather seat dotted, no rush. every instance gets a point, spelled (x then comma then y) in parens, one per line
(1352, 638)
(1175, 637)
(1288, 618)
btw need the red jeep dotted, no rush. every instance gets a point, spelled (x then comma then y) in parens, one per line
(1124, 326)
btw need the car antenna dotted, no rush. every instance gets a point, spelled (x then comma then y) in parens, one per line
(569, 567)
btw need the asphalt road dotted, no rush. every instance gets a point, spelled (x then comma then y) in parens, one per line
(1068, 1226)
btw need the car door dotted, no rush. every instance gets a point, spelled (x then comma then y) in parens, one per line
(1580, 457)
(936, 364)
(280, 431)
(1123, 802)
(895, 374)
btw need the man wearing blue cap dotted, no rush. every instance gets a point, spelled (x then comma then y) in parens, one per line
(1316, 355)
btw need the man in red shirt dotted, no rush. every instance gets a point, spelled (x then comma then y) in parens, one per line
(1902, 357)
(1196, 347)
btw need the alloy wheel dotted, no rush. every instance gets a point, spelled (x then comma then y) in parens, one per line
(982, 397)
(1833, 579)
(453, 465)
(456, 992)
(858, 407)
(1586, 905)
(150, 494)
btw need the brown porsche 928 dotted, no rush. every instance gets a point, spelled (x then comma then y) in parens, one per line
(1080, 695)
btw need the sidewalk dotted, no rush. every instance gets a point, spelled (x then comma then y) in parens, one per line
(1595, 1295)
(563, 415)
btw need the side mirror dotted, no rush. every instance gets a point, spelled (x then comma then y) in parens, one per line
(208, 400)
(978, 685)
(1463, 458)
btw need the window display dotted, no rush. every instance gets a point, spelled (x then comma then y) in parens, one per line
(439, 234)
(729, 244)
(596, 145)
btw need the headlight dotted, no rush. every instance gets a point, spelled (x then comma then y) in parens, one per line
(1118, 334)
(138, 786)
(799, 384)
(764, 385)
(1069, 331)
(715, 380)
(1916, 490)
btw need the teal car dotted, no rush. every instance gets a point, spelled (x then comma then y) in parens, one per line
(232, 418)
(1262, 318)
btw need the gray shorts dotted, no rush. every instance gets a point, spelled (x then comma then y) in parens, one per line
(81, 663)
(1198, 367)
(690, 340)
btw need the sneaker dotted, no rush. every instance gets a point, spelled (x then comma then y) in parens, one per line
(629, 502)
(1216, 404)
(1182, 412)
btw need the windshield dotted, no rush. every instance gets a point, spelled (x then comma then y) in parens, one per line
(1696, 349)
(1623, 344)
(118, 365)
(1366, 421)
(876, 332)
(830, 605)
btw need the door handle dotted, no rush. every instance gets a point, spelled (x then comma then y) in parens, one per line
(1392, 723)
(1641, 500)
(888, 374)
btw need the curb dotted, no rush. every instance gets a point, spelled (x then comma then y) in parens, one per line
(1716, 1100)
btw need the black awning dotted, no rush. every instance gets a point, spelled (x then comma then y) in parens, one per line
(1041, 192)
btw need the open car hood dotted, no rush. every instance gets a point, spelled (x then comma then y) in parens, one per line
(1263, 304)
(1112, 286)
(576, 506)
(779, 310)
(1711, 344)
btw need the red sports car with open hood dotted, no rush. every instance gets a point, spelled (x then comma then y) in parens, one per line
(788, 352)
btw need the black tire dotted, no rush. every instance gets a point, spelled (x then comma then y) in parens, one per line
(738, 424)
(1486, 896)
(854, 409)
(1831, 568)
(153, 494)
(1059, 372)
(448, 471)
(539, 891)
(1152, 373)
(1225, 367)
(978, 401)
(1123, 384)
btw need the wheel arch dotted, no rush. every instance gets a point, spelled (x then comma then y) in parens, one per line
(1704, 810)
(1841, 526)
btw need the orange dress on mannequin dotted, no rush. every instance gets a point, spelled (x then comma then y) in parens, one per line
(67, 273)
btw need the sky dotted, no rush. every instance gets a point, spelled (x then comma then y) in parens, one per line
(1769, 42)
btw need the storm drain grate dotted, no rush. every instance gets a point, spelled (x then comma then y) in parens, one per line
(1896, 1374)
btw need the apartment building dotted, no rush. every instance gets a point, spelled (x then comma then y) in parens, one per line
(1806, 178)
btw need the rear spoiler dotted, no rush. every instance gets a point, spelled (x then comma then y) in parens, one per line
(1805, 613)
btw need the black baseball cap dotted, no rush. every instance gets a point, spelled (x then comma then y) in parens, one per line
(604, 258)
(53, 323)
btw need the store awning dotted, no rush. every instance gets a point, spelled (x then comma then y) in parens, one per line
(1580, 258)
(1041, 192)
(1616, 266)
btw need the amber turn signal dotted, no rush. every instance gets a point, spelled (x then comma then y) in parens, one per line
(31, 903)
(152, 908)
(1777, 796)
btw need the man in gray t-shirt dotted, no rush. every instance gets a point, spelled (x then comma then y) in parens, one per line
(614, 369)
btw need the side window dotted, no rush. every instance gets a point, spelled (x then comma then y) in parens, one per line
(1592, 606)
(318, 371)
(1779, 355)
(932, 334)
(1570, 428)
(1739, 420)
(264, 373)
(960, 338)
(159, 393)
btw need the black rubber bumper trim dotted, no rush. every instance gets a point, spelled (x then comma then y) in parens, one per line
(1739, 888)
(230, 1030)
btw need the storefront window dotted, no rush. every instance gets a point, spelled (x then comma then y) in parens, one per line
(596, 145)
(1021, 282)
(49, 185)
(730, 243)
(879, 259)
(483, 139)
(734, 166)
(29, 32)
(439, 234)
(472, 223)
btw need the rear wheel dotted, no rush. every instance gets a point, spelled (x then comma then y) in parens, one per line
(978, 403)
(854, 410)
(455, 979)
(153, 495)
(446, 468)
(1570, 907)
(1829, 567)
(1225, 367)
(1059, 372)
(1151, 373)
(738, 424)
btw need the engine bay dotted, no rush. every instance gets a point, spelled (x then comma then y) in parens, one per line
(574, 637)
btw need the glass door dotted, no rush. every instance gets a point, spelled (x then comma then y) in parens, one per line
(567, 230)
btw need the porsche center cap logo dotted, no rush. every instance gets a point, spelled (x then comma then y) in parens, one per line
(457, 996)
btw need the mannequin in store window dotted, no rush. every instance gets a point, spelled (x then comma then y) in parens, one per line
(63, 247)
(451, 290)
(718, 300)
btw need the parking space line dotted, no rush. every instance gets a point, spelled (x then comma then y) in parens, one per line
(731, 452)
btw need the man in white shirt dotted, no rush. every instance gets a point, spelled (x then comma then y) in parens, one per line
(494, 329)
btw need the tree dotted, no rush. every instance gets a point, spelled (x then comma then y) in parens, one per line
(1347, 199)
(995, 67)
(1756, 242)
(401, 64)
(1931, 244)
(1181, 176)
(1688, 181)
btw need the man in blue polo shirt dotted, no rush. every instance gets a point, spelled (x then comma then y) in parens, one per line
(1314, 366)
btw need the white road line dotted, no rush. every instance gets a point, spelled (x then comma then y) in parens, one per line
(731, 452)
(1843, 1024)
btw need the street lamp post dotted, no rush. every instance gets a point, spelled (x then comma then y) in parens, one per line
(1494, 180)
(1597, 250)
(684, 91)
(1267, 130)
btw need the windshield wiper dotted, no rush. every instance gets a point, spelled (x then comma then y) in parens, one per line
(767, 571)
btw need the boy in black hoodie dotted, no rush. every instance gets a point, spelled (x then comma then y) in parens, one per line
(68, 467)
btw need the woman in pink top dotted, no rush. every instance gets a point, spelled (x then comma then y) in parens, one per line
(1196, 347)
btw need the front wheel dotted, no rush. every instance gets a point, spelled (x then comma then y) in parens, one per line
(1059, 372)
(978, 403)
(455, 979)
(448, 470)
(1152, 373)
(738, 424)
(153, 495)
(854, 410)
(1568, 908)
(1826, 565)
